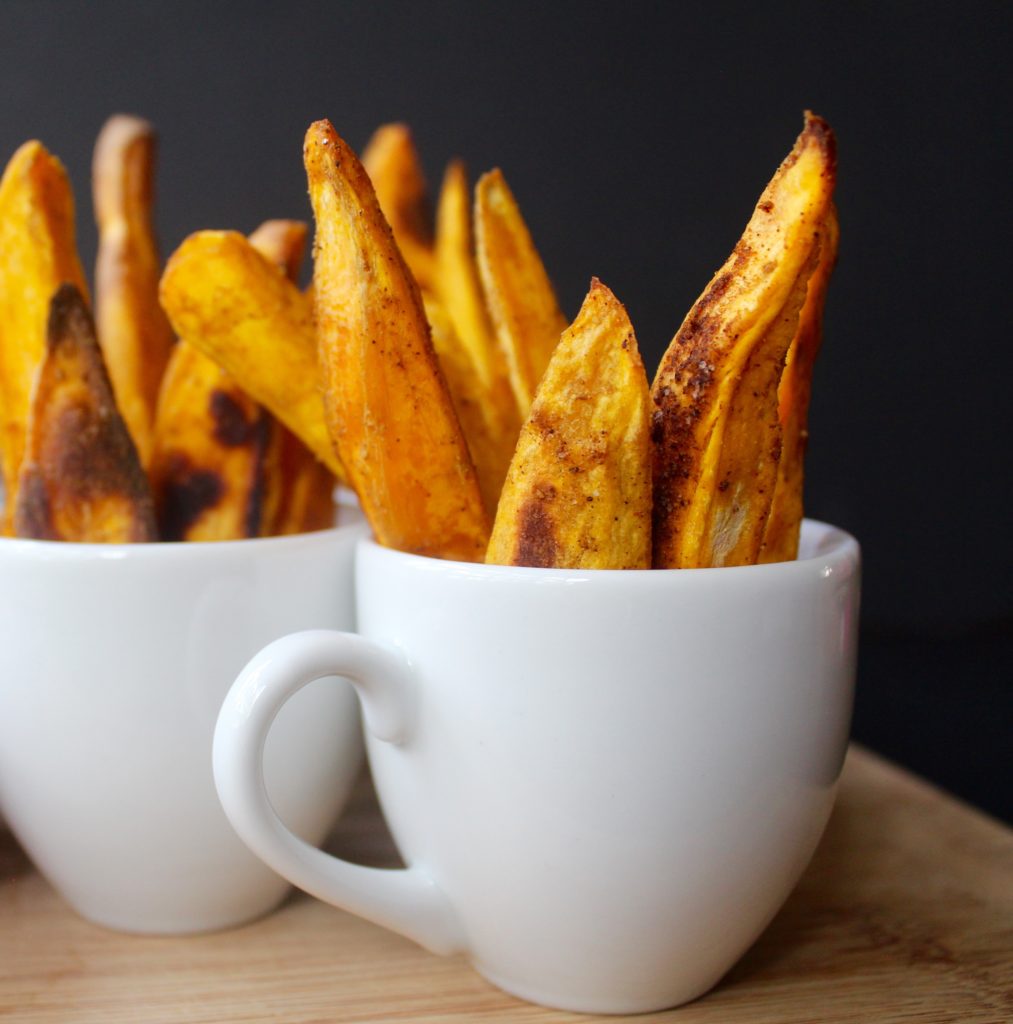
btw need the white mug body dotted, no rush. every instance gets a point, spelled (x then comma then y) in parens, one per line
(604, 783)
(115, 662)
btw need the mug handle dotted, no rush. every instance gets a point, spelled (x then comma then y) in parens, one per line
(404, 900)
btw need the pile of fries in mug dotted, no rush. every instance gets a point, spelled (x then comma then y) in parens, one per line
(429, 368)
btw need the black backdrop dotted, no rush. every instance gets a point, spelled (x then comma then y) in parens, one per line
(637, 137)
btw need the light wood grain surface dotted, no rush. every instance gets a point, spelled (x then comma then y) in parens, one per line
(905, 914)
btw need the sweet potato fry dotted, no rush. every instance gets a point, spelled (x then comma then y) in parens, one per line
(212, 444)
(81, 479)
(304, 486)
(134, 333)
(221, 463)
(37, 253)
(781, 533)
(394, 168)
(475, 416)
(716, 430)
(239, 309)
(460, 294)
(388, 406)
(578, 494)
(519, 295)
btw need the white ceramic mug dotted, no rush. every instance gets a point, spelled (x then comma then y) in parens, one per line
(604, 783)
(115, 661)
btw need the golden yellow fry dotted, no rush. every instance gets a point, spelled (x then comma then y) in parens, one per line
(518, 292)
(578, 494)
(212, 445)
(37, 253)
(477, 417)
(781, 532)
(717, 435)
(460, 293)
(394, 168)
(299, 494)
(134, 333)
(81, 479)
(239, 309)
(388, 406)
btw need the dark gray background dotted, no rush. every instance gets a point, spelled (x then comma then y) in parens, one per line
(637, 137)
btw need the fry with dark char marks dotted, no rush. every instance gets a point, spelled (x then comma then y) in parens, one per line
(392, 163)
(518, 292)
(81, 479)
(578, 494)
(133, 330)
(716, 429)
(217, 469)
(37, 253)
(388, 407)
(460, 293)
(237, 307)
(781, 533)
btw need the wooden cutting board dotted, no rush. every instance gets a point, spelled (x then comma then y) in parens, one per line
(905, 914)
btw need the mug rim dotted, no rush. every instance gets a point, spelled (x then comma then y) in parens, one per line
(833, 546)
(61, 550)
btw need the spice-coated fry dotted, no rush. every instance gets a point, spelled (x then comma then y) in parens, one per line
(388, 407)
(578, 494)
(781, 532)
(133, 330)
(717, 434)
(241, 310)
(392, 163)
(81, 479)
(460, 293)
(37, 253)
(519, 295)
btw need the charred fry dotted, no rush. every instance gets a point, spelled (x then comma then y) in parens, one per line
(716, 430)
(578, 494)
(222, 463)
(519, 295)
(212, 444)
(388, 406)
(460, 293)
(781, 533)
(134, 333)
(37, 253)
(239, 309)
(394, 168)
(81, 479)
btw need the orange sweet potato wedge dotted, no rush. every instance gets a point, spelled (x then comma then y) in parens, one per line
(212, 447)
(460, 294)
(81, 479)
(518, 292)
(476, 417)
(784, 524)
(303, 498)
(222, 464)
(238, 308)
(388, 406)
(578, 494)
(392, 163)
(717, 434)
(133, 330)
(37, 253)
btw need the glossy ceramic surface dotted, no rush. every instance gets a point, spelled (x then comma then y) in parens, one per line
(114, 661)
(604, 784)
